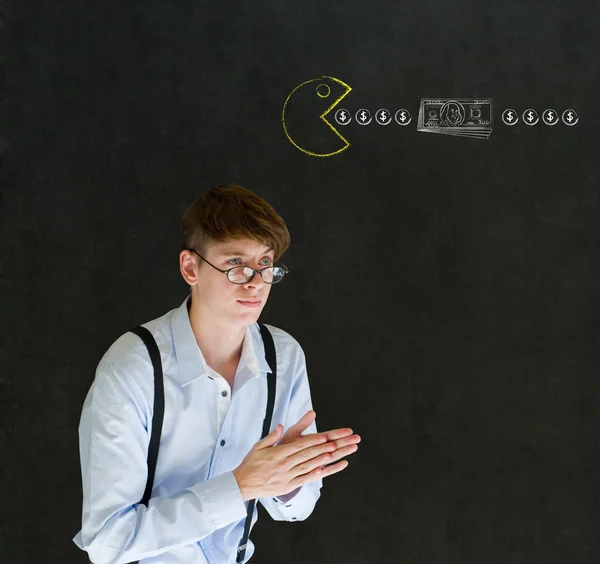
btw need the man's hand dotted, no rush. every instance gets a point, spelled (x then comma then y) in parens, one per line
(295, 432)
(271, 469)
(335, 436)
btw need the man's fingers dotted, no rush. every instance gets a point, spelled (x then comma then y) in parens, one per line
(307, 460)
(341, 437)
(306, 419)
(336, 434)
(319, 472)
(271, 438)
(303, 442)
(344, 451)
(339, 433)
(332, 469)
(345, 441)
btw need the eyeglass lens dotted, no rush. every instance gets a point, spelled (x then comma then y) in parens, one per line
(242, 274)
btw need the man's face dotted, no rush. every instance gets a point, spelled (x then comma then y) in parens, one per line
(222, 297)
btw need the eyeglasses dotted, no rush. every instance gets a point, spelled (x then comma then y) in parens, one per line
(243, 274)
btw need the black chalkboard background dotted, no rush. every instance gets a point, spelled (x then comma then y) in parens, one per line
(445, 290)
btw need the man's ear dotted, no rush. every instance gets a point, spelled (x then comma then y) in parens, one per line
(188, 267)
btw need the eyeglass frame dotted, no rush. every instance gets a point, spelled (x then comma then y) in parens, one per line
(226, 272)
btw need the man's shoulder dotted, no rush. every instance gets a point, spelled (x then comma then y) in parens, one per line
(283, 340)
(129, 349)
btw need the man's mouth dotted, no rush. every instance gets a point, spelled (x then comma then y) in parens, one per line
(250, 303)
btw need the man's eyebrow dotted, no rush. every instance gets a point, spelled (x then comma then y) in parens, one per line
(241, 254)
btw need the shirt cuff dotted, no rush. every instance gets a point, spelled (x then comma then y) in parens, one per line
(223, 499)
(298, 507)
(286, 497)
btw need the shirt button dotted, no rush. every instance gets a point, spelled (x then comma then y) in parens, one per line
(224, 393)
(222, 443)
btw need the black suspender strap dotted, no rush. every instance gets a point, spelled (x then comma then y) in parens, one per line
(159, 407)
(271, 380)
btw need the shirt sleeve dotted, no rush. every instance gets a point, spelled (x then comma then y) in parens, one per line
(113, 442)
(301, 505)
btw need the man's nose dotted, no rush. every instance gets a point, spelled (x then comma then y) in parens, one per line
(254, 280)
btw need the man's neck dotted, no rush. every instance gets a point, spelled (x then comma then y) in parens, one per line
(220, 344)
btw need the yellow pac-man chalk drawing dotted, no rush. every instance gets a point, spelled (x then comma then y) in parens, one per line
(300, 130)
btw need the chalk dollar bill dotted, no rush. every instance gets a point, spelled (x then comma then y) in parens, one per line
(461, 117)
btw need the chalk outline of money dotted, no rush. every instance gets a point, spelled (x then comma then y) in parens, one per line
(537, 117)
(455, 130)
(576, 117)
(322, 116)
(516, 119)
(391, 116)
(335, 116)
(446, 108)
(553, 111)
(407, 121)
(363, 122)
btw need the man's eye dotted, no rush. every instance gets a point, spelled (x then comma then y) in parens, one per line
(267, 259)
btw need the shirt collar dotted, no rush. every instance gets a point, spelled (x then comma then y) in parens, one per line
(189, 356)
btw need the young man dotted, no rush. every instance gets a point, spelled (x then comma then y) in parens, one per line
(211, 459)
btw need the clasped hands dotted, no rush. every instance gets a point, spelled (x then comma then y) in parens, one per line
(277, 465)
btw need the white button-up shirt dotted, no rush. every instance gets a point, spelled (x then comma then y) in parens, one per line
(196, 513)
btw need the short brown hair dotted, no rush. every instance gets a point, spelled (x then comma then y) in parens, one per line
(227, 212)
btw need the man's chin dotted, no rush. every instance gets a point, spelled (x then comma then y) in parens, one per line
(247, 315)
